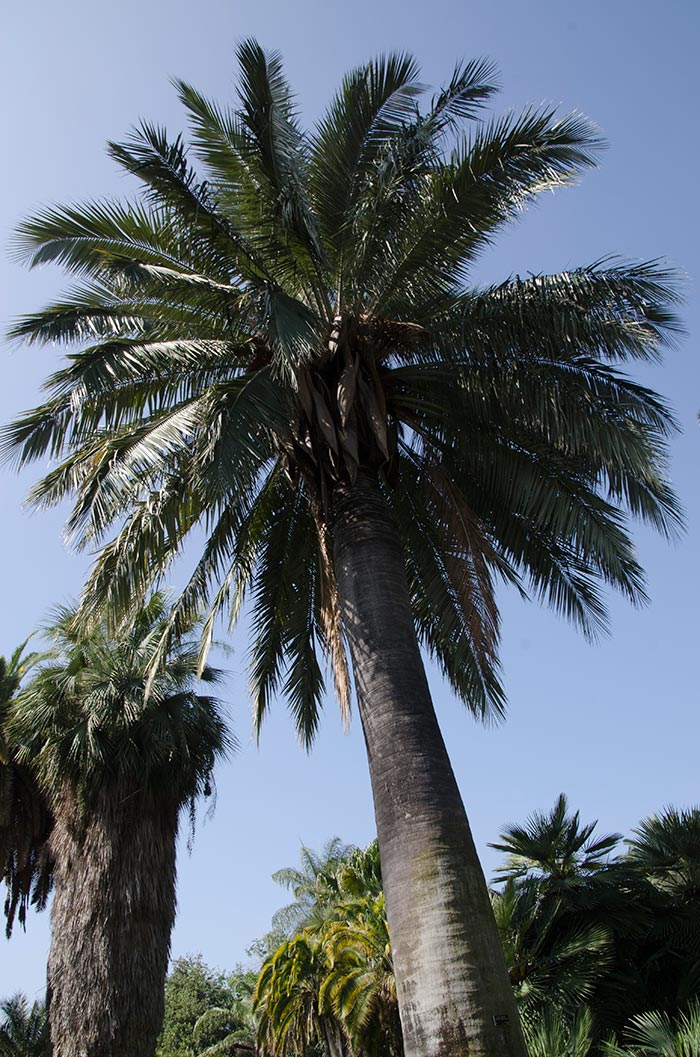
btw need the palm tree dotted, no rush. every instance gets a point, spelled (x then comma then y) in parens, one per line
(554, 959)
(286, 1002)
(25, 820)
(554, 849)
(116, 767)
(663, 865)
(314, 885)
(666, 848)
(24, 1029)
(333, 987)
(657, 1035)
(360, 985)
(278, 340)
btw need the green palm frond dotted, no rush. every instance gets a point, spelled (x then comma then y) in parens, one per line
(26, 864)
(554, 847)
(655, 1034)
(24, 1028)
(553, 1035)
(666, 848)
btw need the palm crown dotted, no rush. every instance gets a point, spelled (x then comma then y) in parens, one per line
(85, 721)
(279, 312)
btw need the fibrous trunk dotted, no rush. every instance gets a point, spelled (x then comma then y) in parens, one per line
(111, 921)
(454, 993)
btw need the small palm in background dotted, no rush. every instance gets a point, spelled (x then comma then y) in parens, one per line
(23, 1028)
(332, 986)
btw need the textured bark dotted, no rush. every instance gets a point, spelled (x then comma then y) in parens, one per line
(112, 915)
(454, 994)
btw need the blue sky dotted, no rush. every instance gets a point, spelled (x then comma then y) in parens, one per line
(615, 724)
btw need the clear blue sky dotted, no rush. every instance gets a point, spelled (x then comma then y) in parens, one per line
(614, 725)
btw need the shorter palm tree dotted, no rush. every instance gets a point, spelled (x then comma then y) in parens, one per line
(286, 1002)
(359, 988)
(116, 766)
(331, 988)
(554, 958)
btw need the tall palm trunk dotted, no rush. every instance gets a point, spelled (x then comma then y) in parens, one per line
(454, 994)
(111, 920)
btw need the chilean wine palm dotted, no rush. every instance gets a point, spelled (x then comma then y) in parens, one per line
(115, 767)
(278, 341)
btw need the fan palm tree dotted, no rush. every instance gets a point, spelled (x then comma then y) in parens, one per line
(554, 960)
(25, 820)
(278, 340)
(657, 1035)
(554, 849)
(666, 848)
(116, 768)
(24, 1028)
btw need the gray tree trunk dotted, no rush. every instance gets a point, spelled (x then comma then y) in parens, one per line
(111, 920)
(454, 994)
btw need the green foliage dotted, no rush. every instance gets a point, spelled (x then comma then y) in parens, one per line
(23, 1029)
(331, 987)
(314, 885)
(585, 928)
(555, 849)
(658, 1035)
(97, 715)
(204, 1009)
(553, 1035)
(598, 946)
(666, 848)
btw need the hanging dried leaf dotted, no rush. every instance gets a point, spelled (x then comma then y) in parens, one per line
(347, 386)
(305, 397)
(325, 421)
